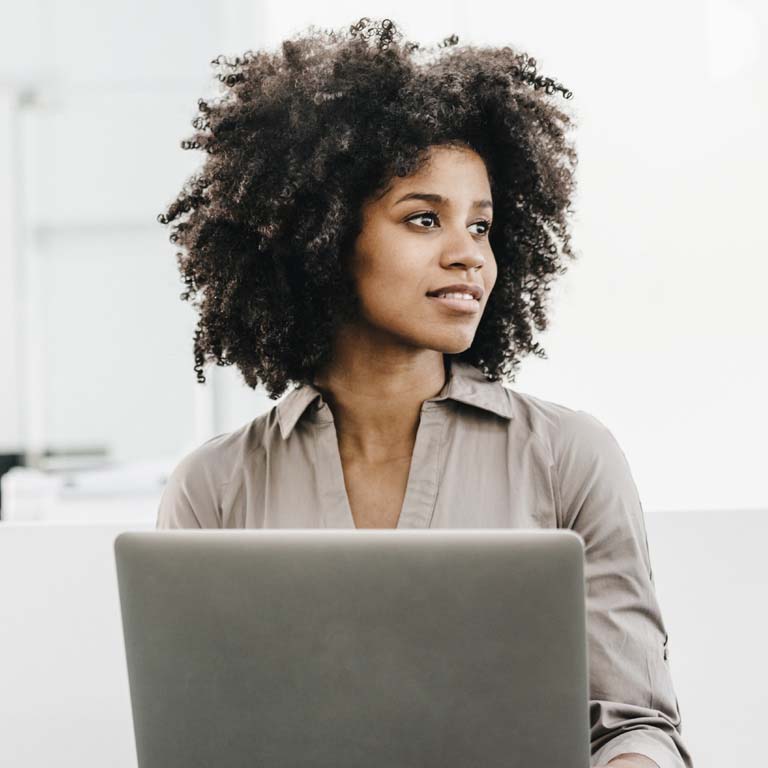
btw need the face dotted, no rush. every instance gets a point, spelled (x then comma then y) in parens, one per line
(429, 231)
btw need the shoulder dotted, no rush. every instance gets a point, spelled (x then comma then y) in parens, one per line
(192, 497)
(219, 457)
(564, 430)
(590, 472)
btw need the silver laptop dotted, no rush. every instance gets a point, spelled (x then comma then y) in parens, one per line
(325, 648)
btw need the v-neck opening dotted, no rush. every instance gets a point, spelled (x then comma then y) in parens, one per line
(423, 472)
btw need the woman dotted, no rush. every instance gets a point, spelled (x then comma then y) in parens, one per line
(380, 226)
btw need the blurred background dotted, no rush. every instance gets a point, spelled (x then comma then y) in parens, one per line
(660, 329)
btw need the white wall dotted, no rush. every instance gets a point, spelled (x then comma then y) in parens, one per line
(661, 329)
(10, 275)
(657, 330)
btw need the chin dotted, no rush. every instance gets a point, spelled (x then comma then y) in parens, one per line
(449, 341)
(452, 346)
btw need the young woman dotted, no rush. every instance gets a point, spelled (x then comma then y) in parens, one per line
(379, 225)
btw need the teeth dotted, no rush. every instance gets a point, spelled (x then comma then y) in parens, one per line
(455, 295)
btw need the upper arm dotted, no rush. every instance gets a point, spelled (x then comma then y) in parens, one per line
(630, 681)
(190, 498)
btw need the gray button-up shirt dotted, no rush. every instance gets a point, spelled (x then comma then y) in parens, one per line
(485, 456)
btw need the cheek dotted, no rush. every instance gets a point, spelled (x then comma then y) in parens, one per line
(493, 273)
(393, 277)
(393, 301)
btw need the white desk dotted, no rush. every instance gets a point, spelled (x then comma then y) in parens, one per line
(64, 698)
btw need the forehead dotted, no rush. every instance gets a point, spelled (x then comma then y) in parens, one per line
(450, 170)
(448, 161)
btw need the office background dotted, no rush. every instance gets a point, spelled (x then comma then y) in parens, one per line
(660, 329)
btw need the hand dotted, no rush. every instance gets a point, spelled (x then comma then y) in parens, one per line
(629, 760)
(616, 763)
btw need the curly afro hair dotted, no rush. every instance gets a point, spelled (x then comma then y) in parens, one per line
(300, 138)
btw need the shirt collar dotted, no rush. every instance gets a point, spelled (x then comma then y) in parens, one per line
(465, 383)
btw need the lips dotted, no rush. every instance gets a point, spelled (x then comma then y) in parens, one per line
(474, 289)
(460, 306)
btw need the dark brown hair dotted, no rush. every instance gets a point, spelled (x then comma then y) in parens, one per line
(301, 137)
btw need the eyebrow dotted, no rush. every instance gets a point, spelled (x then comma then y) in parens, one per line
(432, 198)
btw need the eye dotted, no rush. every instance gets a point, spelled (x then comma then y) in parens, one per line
(433, 215)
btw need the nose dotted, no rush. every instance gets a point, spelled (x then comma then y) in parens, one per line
(471, 261)
(464, 251)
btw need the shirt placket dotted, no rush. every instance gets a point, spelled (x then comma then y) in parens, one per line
(426, 467)
(423, 476)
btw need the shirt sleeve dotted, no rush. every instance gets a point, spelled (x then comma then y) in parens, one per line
(190, 496)
(633, 706)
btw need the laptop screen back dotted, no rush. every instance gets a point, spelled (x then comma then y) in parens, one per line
(375, 648)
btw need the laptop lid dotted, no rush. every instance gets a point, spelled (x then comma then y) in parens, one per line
(349, 648)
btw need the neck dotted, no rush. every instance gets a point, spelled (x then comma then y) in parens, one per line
(376, 403)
